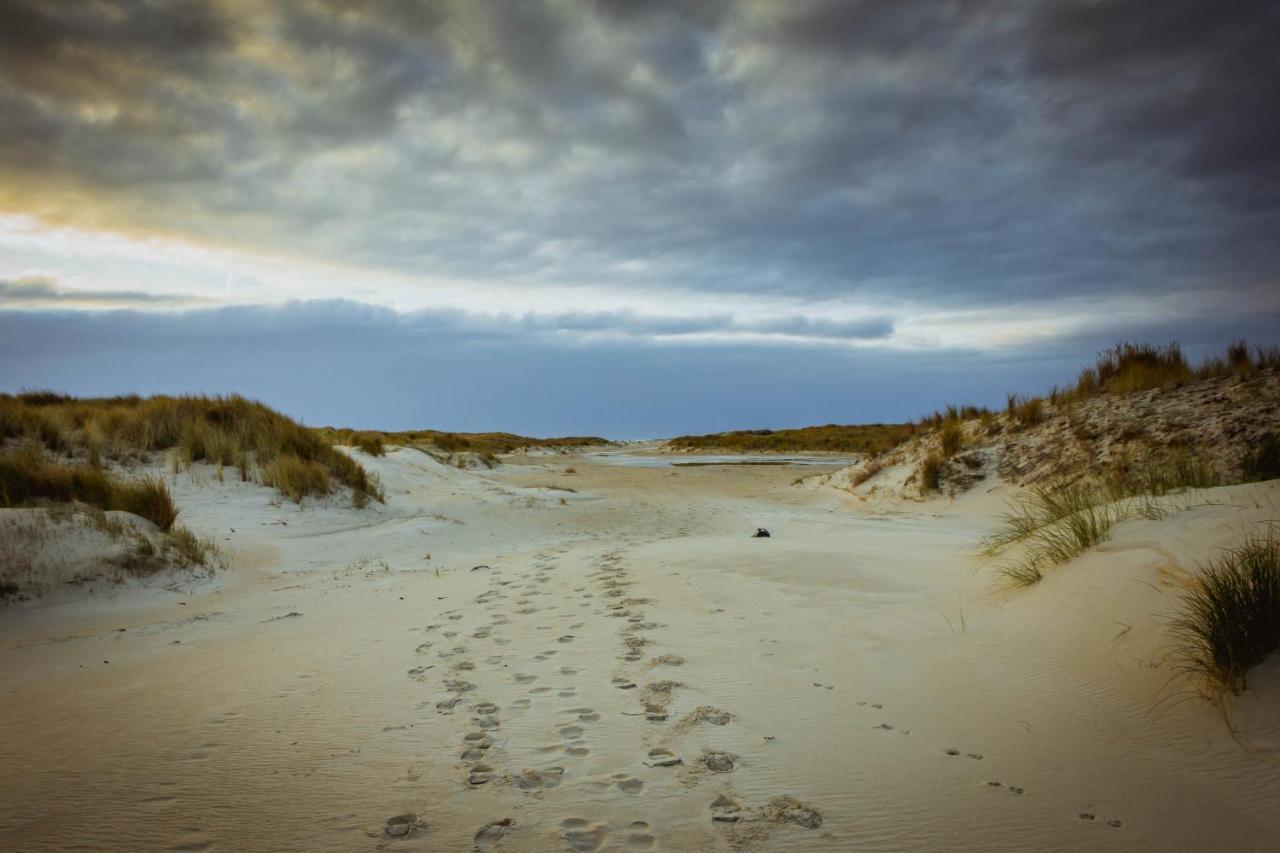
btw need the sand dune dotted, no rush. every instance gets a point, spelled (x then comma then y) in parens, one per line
(493, 661)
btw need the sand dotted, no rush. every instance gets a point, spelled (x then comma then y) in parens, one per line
(494, 661)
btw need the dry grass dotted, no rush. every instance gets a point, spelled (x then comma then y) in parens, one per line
(225, 431)
(29, 477)
(930, 472)
(1024, 412)
(371, 443)
(1230, 622)
(295, 477)
(858, 438)
(452, 442)
(865, 472)
(950, 438)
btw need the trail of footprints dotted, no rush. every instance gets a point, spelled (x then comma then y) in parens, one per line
(480, 749)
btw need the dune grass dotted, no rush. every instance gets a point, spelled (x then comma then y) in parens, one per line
(1052, 524)
(1024, 412)
(29, 477)
(831, 438)
(296, 477)
(371, 443)
(223, 431)
(451, 442)
(1230, 621)
(1262, 462)
(930, 472)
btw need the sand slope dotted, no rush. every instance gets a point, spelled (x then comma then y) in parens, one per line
(408, 676)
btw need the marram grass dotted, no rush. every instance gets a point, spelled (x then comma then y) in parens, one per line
(1230, 621)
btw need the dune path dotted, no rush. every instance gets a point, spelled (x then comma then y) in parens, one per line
(534, 658)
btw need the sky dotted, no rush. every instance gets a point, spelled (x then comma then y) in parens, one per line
(628, 218)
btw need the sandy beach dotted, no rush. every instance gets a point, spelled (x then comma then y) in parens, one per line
(570, 653)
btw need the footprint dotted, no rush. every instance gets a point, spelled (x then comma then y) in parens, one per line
(1115, 823)
(630, 786)
(581, 834)
(490, 835)
(401, 826)
(571, 732)
(660, 757)
(481, 774)
(718, 762)
(457, 685)
(639, 837)
(974, 755)
(537, 780)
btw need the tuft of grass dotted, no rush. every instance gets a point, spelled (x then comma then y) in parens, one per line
(1024, 411)
(1052, 525)
(189, 550)
(296, 478)
(1262, 462)
(951, 437)
(930, 472)
(148, 497)
(371, 443)
(1174, 471)
(1129, 367)
(1230, 622)
(29, 477)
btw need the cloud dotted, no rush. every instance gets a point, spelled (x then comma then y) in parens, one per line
(961, 154)
(44, 292)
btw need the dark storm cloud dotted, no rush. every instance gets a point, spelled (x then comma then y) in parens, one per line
(967, 153)
(1197, 84)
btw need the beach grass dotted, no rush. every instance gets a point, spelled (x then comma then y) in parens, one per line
(1230, 621)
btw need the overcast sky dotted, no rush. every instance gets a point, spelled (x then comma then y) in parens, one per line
(628, 217)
